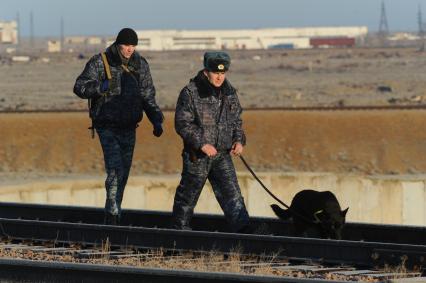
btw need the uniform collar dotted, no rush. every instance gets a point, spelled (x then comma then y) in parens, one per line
(114, 58)
(205, 88)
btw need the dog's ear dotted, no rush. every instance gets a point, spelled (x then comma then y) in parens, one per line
(343, 212)
(281, 213)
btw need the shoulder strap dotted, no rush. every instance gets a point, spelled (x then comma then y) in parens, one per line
(106, 65)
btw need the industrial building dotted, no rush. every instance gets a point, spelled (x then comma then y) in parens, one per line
(81, 40)
(290, 38)
(9, 32)
(53, 46)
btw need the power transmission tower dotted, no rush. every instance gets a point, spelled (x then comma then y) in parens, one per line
(383, 26)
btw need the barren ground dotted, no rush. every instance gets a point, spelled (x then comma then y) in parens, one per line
(370, 142)
(267, 78)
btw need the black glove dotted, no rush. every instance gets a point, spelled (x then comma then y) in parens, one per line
(158, 129)
(107, 85)
(104, 86)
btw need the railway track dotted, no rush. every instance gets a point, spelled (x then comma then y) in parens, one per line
(303, 108)
(66, 226)
(397, 234)
(91, 265)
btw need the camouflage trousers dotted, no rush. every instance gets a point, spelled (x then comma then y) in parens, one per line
(220, 172)
(117, 146)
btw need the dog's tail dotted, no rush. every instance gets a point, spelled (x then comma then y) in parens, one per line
(283, 214)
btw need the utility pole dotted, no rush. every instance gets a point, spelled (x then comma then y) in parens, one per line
(421, 29)
(62, 34)
(18, 29)
(31, 29)
(383, 26)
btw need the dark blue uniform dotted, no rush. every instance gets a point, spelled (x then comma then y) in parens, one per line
(209, 115)
(115, 113)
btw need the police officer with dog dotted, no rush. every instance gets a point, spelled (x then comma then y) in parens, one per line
(208, 119)
(119, 87)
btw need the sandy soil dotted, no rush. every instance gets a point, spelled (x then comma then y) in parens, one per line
(370, 142)
(264, 78)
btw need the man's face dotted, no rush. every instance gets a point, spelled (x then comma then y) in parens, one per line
(127, 50)
(215, 78)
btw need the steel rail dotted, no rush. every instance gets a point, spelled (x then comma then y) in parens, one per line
(355, 253)
(18, 270)
(204, 222)
(298, 108)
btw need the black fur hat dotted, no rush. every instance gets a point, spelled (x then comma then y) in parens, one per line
(216, 61)
(127, 36)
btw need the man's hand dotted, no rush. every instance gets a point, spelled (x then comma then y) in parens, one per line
(209, 150)
(237, 149)
(158, 130)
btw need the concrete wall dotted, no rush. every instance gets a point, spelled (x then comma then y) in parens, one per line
(384, 199)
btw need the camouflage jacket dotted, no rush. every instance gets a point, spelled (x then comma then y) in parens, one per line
(205, 115)
(130, 91)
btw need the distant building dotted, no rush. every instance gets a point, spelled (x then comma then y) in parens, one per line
(403, 36)
(75, 39)
(21, 58)
(53, 46)
(90, 40)
(9, 32)
(327, 42)
(245, 39)
(94, 40)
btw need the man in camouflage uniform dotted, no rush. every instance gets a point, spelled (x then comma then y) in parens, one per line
(117, 105)
(208, 119)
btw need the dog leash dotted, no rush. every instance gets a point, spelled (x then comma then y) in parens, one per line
(274, 197)
(260, 182)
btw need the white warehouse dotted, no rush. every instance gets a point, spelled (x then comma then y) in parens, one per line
(242, 39)
(8, 32)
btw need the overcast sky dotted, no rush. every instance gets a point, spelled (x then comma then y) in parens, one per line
(107, 17)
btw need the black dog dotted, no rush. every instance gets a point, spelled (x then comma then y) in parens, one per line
(314, 214)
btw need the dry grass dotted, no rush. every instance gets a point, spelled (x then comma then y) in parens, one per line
(210, 261)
